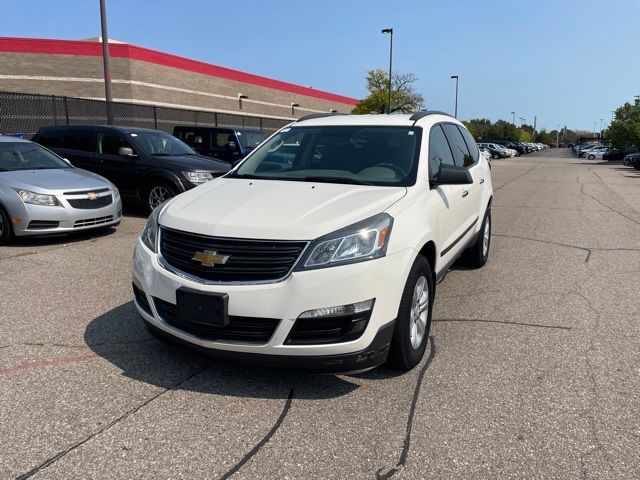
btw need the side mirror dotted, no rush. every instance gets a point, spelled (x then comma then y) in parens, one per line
(67, 160)
(453, 175)
(126, 152)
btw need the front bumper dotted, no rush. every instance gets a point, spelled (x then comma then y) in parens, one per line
(45, 220)
(382, 279)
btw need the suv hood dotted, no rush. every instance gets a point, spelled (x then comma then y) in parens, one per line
(54, 180)
(275, 210)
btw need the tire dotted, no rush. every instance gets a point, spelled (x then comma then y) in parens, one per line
(476, 255)
(6, 229)
(156, 193)
(591, 157)
(414, 318)
(495, 156)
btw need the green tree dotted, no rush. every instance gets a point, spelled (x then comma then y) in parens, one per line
(404, 98)
(479, 127)
(625, 129)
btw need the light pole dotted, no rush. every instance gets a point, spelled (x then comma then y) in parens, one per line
(522, 120)
(600, 134)
(594, 129)
(456, 108)
(612, 114)
(558, 137)
(514, 117)
(390, 32)
(105, 60)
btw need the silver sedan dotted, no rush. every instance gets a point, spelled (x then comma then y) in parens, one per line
(43, 194)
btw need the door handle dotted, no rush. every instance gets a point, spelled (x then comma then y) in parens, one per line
(465, 193)
(482, 180)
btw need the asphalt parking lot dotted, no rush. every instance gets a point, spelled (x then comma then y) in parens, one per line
(533, 367)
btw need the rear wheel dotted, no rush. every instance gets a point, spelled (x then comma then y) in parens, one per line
(158, 193)
(6, 230)
(478, 254)
(414, 318)
(591, 157)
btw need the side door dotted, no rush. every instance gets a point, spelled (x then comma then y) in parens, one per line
(121, 170)
(466, 214)
(79, 147)
(449, 196)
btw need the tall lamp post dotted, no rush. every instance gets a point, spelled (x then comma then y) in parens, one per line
(514, 117)
(455, 114)
(600, 135)
(105, 61)
(390, 32)
(558, 137)
(522, 120)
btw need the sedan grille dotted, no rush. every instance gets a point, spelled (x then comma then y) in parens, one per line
(88, 204)
(240, 329)
(88, 222)
(226, 259)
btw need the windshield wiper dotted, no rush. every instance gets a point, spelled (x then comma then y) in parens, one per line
(351, 181)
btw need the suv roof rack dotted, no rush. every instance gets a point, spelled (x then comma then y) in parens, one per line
(425, 113)
(319, 115)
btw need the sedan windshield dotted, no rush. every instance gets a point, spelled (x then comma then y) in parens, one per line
(28, 156)
(160, 143)
(364, 155)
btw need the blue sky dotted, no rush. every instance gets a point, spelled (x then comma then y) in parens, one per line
(564, 61)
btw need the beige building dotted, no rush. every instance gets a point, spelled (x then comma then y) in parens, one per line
(139, 75)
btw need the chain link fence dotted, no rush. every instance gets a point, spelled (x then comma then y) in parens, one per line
(22, 114)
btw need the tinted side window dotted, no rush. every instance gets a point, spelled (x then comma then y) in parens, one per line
(48, 138)
(83, 140)
(221, 139)
(458, 147)
(109, 143)
(471, 144)
(439, 151)
(193, 138)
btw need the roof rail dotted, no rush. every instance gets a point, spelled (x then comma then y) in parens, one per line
(425, 113)
(319, 115)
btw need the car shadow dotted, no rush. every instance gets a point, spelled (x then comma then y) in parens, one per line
(120, 337)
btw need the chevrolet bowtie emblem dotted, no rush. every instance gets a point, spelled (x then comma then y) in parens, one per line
(92, 196)
(210, 259)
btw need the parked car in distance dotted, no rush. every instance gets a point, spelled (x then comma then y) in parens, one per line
(620, 153)
(585, 153)
(325, 263)
(497, 151)
(223, 143)
(147, 166)
(42, 194)
(485, 153)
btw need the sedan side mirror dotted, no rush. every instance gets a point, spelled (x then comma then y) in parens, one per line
(126, 152)
(453, 175)
(67, 160)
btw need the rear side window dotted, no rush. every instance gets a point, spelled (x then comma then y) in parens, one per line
(471, 145)
(439, 151)
(49, 138)
(83, 140)
(221, 139)
(461, 154)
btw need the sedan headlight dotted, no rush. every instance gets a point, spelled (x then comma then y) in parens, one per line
(149, 235)
(198, 177)
(359, 242)
(116, 192)
(33, 198)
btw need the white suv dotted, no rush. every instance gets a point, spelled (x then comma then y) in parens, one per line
(322, 249)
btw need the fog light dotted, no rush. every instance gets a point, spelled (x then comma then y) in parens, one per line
(342, 310)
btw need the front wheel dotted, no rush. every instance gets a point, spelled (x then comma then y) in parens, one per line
(591, 157)
(6, 230)
(158, 193)
(414, 318)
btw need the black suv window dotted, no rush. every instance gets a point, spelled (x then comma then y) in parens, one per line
(461, 154)
(109, 143)
(83, 140)
(194, 138)
(221, 139)
(49, 138)
(471, 144)
(439, 151)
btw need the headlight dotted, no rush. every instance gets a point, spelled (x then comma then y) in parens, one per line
(38, 198)
(359, 242)
(149, 235)
(198, 177)
(116, 192)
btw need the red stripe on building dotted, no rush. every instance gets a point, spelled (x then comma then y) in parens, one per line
(124, 50)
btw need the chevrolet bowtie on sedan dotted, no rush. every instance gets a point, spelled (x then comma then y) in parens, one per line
(322, 249)
(42, 194)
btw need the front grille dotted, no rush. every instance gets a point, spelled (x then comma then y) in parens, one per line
(85, 192)
(141, 298)
(87, 204)
(88, 222)
(42, 224)
(240, 329)
(323, 330)
(248, 260)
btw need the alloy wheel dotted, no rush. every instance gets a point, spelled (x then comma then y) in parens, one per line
(486, 235)
(158, 195)
(419, 313)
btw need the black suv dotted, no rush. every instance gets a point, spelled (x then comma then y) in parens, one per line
(146, 165)
(224, 143)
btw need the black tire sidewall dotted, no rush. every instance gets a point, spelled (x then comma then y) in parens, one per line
(7, 233)
(402, 355)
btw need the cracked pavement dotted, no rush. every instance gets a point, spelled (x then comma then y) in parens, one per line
(533, 367)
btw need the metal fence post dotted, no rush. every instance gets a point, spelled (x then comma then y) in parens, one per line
(155, 117)
(260, 123)
(55, 114)
(66, 110)
(215, 118)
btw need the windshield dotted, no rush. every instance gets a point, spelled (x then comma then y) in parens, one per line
(28, 156)
(386, 156)
(251, 138)
(160, 143)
